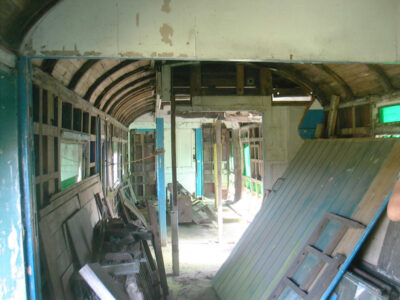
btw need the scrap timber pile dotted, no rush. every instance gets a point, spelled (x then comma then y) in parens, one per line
(99, 247)
(191, 209)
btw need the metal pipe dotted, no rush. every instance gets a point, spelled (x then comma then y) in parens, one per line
(25, 139)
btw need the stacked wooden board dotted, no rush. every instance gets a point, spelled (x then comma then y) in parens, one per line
(347, 177)
(54, 220)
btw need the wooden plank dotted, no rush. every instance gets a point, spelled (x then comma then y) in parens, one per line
(218, 193)
(195, 80)
(319, 254)
(240, 79)
(132, 208)
(293, 285)
(66, 283)
(81, 233)
(122, 269)
(265, 81)
(53, 85)
(237, 156)
(101, 283)
(157, 249)
(58, 199)
(225, 103)
(345, 221)
(332, 116)
(373, 198)
(174, 213)
(322, 283)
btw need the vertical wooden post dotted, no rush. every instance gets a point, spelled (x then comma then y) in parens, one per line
(332, 116)
(240, 79)
(218, 193)
(174, 213)
(195, 80)
(237, 160)
(265, 81)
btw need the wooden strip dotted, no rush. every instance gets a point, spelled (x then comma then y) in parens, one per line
(157, 249)
(133, 209)
(81, 233)
(122, 269)
(218, 192)
(265, 81)
(240, 79)
(319, 254)
(345, 221)
(332, 116)
(290, 283)
(373, 198)
(322, 283)
(102, 283)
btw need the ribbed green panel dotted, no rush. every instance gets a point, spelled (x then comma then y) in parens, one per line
(325, 176)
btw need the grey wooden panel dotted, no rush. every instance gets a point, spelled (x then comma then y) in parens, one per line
(325, 176)
(81, 233)
(389, 259)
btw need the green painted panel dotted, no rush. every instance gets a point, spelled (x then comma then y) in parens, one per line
(325, 176)
(389, 114)
(12, 271)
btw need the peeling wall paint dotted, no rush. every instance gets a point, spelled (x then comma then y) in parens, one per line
(309, 30)
(12, 272)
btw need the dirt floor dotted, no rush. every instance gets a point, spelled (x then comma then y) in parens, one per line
(201, 256)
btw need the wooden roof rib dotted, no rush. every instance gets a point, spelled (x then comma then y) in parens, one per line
(124, 88)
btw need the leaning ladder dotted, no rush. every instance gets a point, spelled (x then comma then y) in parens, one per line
(323, 272)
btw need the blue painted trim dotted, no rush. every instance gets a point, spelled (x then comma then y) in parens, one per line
(98, 145)
(334, 297)
(146, 130)
(199, 162)
(162, 204)
(352, 255)
(26, 173)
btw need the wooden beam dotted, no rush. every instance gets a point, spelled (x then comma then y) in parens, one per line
(237, 156)
(384, 80)
(157, 249)
(218, 193)
(195, 80)
(339, 80)
(291, 73)
(240, 79)
(102, 283)
(265, 81)
(225, 103)
(174, 213)
(48, 82)
(332, 116)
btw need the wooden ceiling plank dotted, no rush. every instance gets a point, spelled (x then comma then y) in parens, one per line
(382, 77)
(339, 80)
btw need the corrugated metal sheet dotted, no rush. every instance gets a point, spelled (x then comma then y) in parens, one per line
(325, 176)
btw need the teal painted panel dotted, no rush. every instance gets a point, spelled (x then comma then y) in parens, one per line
(325, 176)
(12, 271)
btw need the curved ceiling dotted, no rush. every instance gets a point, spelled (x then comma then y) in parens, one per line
(126, 89)
(17, 17)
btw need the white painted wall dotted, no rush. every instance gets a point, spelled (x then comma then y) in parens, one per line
(281, 140)
(307, 30)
